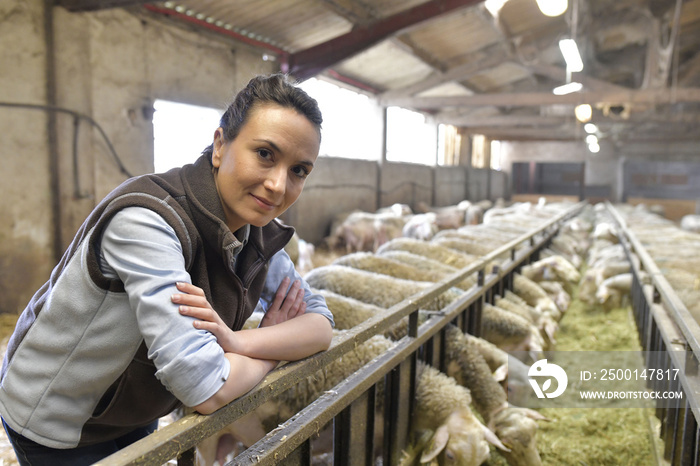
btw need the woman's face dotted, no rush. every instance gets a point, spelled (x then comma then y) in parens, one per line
(261, 173)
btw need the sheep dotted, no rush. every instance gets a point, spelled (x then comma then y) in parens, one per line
(386, 266)
(691, 222)
(534, 295)
(429, 265)
(513, 426)
(391, 264)
(373, 288)
(466, 246)
(554, 267)
(442, 406)
(421, 226)
(447, 217)
(429, 249)
(364, 231)
(506, 330)
(614, 291)
(556, 291)
(349, 312)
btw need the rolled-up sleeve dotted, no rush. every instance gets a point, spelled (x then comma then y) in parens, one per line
(282, 266)
(141, 249)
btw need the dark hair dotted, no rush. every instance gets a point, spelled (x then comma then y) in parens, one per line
(275, 88)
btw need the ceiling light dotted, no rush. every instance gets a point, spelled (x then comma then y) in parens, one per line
(583, 113)
(571, 56)
(590, 128)
(594, 148)
(552, 7)
(567, 88)
(494, 6)
(591, 139)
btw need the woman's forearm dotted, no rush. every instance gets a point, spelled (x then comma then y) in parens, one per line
(291, 340)
(245, 374)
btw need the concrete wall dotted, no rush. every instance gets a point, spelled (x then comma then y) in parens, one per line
(25, 183)
(337, 186)
(604, 171)
(450, 185)
(109, 67)
(406, 183)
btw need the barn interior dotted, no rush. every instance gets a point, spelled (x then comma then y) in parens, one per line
(79, 79)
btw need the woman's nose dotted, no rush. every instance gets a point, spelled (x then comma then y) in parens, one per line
(276, 180)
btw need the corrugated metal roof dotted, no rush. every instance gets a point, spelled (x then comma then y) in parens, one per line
(415, 52)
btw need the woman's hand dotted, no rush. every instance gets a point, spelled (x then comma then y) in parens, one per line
(285, 306)
(193, 303)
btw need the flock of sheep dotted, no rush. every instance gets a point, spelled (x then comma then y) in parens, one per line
(675, 248)
(393, 254)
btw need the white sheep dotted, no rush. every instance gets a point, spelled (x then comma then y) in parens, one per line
(555, 267)
(386, 266)
(507, 330)
(421, 226)
(515, 427)
(365, 231)
(466, 246)
(430, 265)
(535, 296)
(374, 288)
(691, 222)
(433, 251)
(442, 407)
(350, 312)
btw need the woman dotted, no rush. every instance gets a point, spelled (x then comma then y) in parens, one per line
(113, 340)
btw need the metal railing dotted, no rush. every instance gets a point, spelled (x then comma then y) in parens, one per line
(351, 404)
(670, 337)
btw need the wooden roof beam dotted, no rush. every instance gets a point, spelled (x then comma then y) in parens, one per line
(92, 5)
(312, 61)
(646, 96)
(492, 57)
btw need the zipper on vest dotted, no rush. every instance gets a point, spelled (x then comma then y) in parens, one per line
(251, 273)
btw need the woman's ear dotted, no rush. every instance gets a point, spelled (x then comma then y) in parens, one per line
(217, 147)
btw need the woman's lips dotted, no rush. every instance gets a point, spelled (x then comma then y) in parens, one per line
(264, 203)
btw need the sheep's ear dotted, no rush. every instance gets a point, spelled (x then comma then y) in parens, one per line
(501, 373)
(437, 443)
(493, 439)
(532, 414)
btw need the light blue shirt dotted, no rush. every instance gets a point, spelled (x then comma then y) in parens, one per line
(143, 251)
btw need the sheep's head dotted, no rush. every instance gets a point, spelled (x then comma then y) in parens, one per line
(516, 427)
(463, 438)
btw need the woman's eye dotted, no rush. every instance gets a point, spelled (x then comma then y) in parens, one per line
(300, 171)
(264, 153)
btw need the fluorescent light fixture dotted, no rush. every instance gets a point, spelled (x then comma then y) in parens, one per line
(591, 139)
(590, 128)
(583, 113)
(552, 7)
(594, 148)
(571, 56)
(494, 6)
(567, 88)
